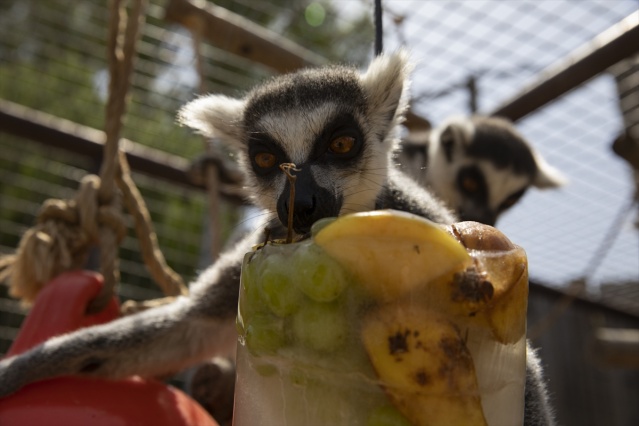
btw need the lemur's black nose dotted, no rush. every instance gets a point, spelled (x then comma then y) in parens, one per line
(311, 203)
(304, 212)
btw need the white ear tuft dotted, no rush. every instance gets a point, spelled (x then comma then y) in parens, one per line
(215, 116)
(385, 84)
(547, 176)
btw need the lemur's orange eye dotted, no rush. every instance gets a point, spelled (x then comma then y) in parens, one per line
(342, 145)
(265, 160)
(470, 184)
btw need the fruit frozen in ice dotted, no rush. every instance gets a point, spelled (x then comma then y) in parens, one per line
(318, 275)
(424, 366)
(321, 326)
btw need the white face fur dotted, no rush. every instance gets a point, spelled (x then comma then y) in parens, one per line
(296, 132)
(338, 126)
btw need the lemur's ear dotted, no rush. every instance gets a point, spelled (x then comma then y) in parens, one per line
(385, 85)
(452, 137)
(215, 116)
(547, 176)
(460, 129)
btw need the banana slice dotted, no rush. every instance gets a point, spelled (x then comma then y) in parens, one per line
(391, 253)
(423, 364)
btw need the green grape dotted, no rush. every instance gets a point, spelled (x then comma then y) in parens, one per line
(320, 326)
(319, 276)
(277, 285)
(264, 334)
(387, 415)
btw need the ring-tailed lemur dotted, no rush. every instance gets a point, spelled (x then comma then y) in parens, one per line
(479, 166)
(339, 127)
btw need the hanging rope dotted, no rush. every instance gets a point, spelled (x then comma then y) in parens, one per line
(66, 230)
(123, 36)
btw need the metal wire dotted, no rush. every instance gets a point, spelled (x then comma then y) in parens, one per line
(379, 30)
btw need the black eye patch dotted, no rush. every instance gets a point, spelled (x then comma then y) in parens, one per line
(342, 129)
(260, 144)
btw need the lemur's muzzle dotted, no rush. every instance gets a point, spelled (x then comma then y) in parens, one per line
(312, 202)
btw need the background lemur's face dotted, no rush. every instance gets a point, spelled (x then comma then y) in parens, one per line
(335, 125)
(481, 167)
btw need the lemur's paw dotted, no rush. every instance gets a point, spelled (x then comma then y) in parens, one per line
(212, 385)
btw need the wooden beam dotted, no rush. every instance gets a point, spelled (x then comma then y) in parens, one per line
(611, 46)
(240, 36)
(56, 132)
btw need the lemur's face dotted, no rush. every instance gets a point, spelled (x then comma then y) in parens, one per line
(482, 167)
(339, 167)
(337, 126)
(320, 125)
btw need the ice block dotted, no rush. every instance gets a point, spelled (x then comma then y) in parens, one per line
(383, 318)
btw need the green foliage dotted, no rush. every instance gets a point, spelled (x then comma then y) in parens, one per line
(63, 88)
(334, 37)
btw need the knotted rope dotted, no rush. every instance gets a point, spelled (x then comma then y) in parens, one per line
(66, 230)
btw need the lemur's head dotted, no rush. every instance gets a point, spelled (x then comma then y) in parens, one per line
(482, 166)
(336, 125)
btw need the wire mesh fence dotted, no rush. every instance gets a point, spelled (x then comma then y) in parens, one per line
(52, 58)
(503, 46)
(179, 216)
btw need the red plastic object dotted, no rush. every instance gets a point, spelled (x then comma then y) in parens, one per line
(75, 401)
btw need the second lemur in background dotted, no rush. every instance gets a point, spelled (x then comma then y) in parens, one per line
(479, 166)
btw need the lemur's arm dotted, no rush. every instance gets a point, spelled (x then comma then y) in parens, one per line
(155, 342)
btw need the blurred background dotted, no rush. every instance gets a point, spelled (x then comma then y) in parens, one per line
(565, 71)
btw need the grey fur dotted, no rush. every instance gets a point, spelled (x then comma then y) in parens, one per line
(287, 117)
